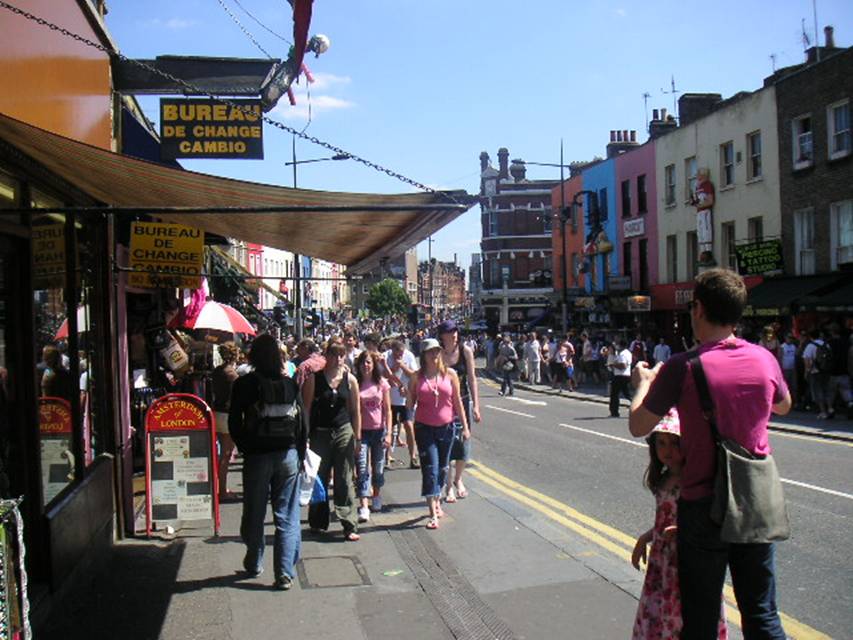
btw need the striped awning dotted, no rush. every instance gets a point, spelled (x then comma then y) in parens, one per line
(354, 235)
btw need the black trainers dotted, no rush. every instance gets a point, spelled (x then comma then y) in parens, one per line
(283, 583)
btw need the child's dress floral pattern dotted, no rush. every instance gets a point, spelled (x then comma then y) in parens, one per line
(659, 612)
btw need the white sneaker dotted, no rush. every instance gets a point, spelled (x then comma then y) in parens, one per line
(363, 514)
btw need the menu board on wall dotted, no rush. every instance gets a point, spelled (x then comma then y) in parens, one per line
(181, 461)
(57, 459)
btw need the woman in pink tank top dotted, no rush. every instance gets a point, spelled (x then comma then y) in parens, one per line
(435, 389)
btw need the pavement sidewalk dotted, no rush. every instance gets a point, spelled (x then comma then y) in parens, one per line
(494, 569)
(801, 422)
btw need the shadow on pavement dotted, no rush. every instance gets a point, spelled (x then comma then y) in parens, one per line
(137, 586)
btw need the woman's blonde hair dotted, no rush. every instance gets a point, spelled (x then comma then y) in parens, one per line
(442, 369)
(229, 352)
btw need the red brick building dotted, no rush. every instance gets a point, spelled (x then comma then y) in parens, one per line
(516, 245)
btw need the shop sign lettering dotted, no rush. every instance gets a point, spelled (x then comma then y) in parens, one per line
(635, 227)
(54, 416)
(177, 415)
(760, 258)
(201, 128)
(165, 255)
(48, 251)
(683, 296)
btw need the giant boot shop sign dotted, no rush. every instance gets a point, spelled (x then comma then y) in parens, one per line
(204, 128)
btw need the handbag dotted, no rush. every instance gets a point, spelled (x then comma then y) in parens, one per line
(748, 502)
(308, 480)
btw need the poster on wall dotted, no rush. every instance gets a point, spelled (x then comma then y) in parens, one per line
(57, 457)
(180, 465)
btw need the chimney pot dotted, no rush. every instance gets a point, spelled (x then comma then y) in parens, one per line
(829, 37)
(655, 114)
(618, 136)
(633, 135)
(663, 114)
(612, 135)
(625, 135)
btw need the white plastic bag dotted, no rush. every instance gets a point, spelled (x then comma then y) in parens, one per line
(310, 468)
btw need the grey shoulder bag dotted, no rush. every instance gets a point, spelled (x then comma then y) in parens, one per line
(748, 503)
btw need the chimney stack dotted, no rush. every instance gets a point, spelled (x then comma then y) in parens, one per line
(503, 163)
(484, 161)
(829, 37)
(621, 140)
(518, 170)
(660, 124)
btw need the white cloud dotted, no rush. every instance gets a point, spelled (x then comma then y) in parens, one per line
(318, 104)
(621, 12)
(173, 24)
(323, 81)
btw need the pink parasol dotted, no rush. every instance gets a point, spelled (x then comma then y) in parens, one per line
(220, 317)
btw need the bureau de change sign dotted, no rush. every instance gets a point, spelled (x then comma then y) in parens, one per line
(165, 255)
(204, 128)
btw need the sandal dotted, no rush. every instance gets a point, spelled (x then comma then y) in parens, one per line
(432, 523)
(439, 512)
(450, 498)
(352, 536)
(461, 493)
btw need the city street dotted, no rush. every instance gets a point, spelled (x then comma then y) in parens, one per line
(580, 468)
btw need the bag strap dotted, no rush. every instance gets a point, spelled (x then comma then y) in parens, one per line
(704, 392)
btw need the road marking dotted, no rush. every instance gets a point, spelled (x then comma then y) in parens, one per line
(804, 485)
(515, 413)
(604, 435)
(816, 488)
(587, 527)
(798, 436)
(538, 403)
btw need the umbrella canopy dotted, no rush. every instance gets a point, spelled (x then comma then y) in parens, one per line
(216, 316)
(82, 324)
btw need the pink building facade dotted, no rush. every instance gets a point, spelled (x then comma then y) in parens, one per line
(636, 204)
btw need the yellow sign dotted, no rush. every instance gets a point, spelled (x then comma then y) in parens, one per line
(165, 255)
(48, 246)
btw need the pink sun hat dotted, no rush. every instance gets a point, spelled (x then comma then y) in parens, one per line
(669, 423)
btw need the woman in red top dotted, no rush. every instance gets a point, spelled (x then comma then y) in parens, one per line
(435, 388)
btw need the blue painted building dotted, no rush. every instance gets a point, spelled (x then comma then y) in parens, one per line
(600, 232)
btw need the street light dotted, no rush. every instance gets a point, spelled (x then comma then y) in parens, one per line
(297, 259)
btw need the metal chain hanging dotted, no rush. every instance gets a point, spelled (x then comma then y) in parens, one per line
(193, 90)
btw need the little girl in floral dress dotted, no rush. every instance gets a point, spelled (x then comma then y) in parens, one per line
(659, 611)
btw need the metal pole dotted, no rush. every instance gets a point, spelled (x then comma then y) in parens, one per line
(431, 277)
(565, 316)
(297, 270)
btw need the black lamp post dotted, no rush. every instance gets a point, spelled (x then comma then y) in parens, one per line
(297, 259)
(565, 214)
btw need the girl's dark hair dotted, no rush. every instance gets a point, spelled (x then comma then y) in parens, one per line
(265, 356)
(655, 473)
(335, 349)
(375, 375)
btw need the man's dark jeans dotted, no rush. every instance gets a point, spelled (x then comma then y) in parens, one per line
(702, 562)
(506, 381)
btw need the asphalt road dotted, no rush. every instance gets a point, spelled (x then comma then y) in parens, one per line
(573, 452)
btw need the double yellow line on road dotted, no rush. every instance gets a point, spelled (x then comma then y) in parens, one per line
(607, 537)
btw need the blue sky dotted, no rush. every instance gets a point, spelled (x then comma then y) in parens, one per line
(424, 87)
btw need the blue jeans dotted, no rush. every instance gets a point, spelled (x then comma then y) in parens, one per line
(372, 442)
(702, 562)
(506, 381)
(434, 451)
(272, 477)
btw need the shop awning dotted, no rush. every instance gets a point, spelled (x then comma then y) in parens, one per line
(367, 228)
(837, 297)
(781, 293)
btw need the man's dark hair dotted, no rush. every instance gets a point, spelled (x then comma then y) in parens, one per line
(375, 338)
(309, 344)
(723, 295)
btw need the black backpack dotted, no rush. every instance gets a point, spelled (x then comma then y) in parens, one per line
(823, 358)
(275, 421)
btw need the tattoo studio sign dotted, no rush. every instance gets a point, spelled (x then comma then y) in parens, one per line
(760, 258)
(202, 128)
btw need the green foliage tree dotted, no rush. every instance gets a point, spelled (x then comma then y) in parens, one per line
(387, 298)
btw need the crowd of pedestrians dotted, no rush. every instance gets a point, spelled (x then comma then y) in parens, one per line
(352, 403)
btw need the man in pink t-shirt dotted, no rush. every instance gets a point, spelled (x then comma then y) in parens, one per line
(746, 386)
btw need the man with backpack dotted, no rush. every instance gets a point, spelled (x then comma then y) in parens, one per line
(817, 360)
(267, 422)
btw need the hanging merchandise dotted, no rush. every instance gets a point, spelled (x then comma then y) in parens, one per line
(14, 603)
